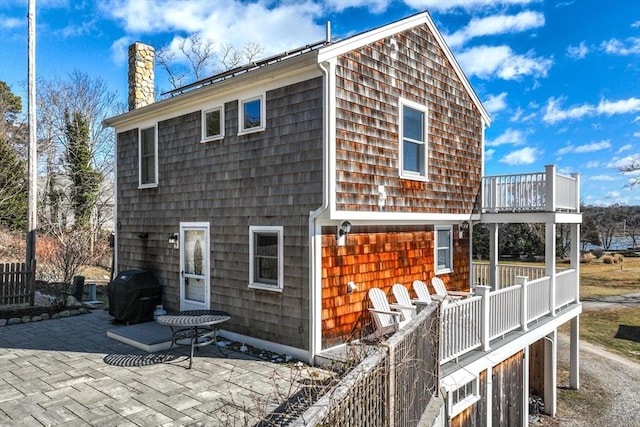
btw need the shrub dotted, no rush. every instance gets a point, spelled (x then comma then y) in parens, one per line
(618, 258)
(608, 259)
(587, 258)
(597, 252)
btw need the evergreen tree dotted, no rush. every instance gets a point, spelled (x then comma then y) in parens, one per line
(85, 178)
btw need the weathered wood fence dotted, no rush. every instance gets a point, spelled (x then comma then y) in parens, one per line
(17, 283)
(391, 387)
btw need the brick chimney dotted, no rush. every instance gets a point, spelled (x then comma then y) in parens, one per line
(141, 75)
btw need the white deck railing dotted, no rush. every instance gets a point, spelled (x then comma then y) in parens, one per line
(545, 191)
(477, 322)
(505, 274)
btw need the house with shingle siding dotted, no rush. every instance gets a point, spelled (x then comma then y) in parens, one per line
(236, 192)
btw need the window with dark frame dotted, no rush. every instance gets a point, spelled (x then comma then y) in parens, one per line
(212, 124)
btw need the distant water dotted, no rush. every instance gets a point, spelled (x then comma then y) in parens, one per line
(618, 244)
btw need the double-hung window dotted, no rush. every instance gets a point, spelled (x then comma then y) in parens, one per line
(444, 249)
(251, 115)
(413, 140)
(212, 124)
(266, 258)
(148, 157)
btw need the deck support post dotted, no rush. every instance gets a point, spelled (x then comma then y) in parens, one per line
(550, 373)
(493, 257)
(522, 282)
(574, 360)
(489, 394)
(550, 263)
(525, 387)
(483, 292)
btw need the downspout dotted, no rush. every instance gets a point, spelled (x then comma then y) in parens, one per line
(315, 235)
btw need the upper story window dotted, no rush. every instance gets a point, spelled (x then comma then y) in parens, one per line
(444, 249)
(212, 124)
(413, 140)
(148, 157)
(463, 397)
(266, 258)
(251, 115)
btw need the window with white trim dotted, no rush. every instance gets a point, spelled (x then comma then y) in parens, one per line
(251, 115)
(413, 140)
(463, 397)
(148, 157)
(212, 124)
(266, 258)
(444, 249)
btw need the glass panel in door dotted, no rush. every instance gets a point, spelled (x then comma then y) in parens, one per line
(194, 286)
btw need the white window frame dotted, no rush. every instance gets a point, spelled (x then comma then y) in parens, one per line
(439, 229)
(456, 405)
(153, 183)
(241, 129)
(407, 174)
(253, 231)
(208, 138)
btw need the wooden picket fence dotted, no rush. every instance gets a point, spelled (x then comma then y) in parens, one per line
(17, 283)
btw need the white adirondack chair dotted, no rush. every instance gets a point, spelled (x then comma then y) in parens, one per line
(403, 301)
(441, 290)
(383, 315)
(421, 290)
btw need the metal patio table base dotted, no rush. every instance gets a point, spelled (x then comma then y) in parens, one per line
(197, 327)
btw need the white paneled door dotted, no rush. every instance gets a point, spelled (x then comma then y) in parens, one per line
(194, 266)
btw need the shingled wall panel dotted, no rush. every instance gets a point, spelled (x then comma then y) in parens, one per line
(370, 83)
(273, 177)
(378, 257)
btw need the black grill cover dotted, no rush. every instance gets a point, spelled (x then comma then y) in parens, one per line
(133, 296)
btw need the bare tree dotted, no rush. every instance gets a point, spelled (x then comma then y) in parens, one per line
(632, 168)
(196, 57)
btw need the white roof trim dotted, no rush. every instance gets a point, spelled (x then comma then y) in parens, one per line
(363, 39)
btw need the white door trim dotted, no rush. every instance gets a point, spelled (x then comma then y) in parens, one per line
(186, 304)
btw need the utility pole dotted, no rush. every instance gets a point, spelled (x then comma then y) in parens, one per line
(33, 146)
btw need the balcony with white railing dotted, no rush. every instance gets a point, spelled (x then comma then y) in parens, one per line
(481, 322)
(546, 191)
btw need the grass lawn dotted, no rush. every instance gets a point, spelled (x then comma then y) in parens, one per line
(601, 326)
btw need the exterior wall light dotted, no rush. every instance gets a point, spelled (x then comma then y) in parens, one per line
(174, 240)
(351, 287)
(462, 228)
(343, 230)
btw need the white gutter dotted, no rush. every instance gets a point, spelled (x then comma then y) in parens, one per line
(315, 229)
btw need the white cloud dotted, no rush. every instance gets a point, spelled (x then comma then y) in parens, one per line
(618, 163)
(524, 156)
(578, 52)
(497, 24)
(554, 113)
(510, 136)
(592, 164)
(276, 28)
(495, 103)
(500, 61)
(602, 178)
(10, 23)
(617, 47)
(625, 147)
(585, 148)
(636, 134)
(635, 24)
(119, 50)
(446, 5)
(488, 154)
(376, 6)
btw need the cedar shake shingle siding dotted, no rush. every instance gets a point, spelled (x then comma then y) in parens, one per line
(269, 178)
(378, 257)
(370, 82)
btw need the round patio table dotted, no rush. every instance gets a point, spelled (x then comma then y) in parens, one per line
(195, 328)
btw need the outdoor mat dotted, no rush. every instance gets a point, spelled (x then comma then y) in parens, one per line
(136, 360)
(631, 333)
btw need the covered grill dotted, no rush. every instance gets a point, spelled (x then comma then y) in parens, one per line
(133, 295)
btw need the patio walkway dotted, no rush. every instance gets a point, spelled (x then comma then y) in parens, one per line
(67, 371)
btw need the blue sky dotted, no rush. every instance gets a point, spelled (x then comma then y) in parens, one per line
(560, 79)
